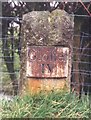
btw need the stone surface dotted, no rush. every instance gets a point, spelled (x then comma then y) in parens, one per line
(42, 28)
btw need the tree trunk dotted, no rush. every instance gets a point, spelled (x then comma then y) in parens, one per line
(7, 58)
(76, 75)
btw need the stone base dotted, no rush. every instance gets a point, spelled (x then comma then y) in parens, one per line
(37, 85)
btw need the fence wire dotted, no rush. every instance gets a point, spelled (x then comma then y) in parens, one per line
(11, 48)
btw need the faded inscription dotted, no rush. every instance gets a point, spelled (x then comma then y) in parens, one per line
(47, 61)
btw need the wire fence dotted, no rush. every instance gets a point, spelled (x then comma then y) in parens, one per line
(10, 48)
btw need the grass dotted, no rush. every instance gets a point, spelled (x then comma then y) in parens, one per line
(51, 105)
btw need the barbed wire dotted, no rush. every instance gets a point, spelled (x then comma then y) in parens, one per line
(19, 18)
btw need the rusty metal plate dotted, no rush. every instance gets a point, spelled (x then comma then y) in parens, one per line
(47, 62)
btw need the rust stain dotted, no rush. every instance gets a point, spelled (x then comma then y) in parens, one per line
(34, 85)
(37, 85)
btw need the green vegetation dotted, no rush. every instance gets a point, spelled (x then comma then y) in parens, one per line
(51, 105)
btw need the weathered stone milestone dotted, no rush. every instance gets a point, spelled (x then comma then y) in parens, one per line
(47, 40)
